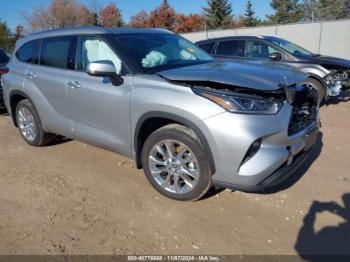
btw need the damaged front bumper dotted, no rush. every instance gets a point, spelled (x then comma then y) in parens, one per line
(278, 156)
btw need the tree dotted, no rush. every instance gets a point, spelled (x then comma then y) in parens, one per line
(286, 11)
(218, 14)
(86, 17)
(59, 14)
(163, 16)
(140, 20)
(110, 16)
(6, 39)
(190, 23)
(332, 9)
(39, 19)
(240, 22)
(19, 32)
(250, 19)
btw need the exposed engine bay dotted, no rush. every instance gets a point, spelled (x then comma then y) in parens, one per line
(305, 109)
(304, 100)
(337, 81)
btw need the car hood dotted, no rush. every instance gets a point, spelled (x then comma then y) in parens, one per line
(329, 60)
(249, 74)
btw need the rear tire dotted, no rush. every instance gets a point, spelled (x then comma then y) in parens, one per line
(175, 163)
(29, 125)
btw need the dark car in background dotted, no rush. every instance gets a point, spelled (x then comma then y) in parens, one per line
(330, 75)
(4, 59)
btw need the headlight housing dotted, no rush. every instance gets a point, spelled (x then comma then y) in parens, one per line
(242, 104)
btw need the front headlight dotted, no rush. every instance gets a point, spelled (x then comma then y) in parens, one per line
(243, 105)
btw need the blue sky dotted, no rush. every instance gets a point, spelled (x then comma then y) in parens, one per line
(11, 11)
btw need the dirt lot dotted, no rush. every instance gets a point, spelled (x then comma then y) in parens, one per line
(73, 198)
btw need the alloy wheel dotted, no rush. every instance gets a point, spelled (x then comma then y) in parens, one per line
(174, 166)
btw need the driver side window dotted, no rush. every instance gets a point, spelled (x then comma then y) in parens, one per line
(258, 49)
(93, 49)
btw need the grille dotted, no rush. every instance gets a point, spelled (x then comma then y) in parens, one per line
(304, 111)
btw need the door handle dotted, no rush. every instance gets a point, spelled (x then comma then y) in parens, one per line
(31, 75)
(74, 84)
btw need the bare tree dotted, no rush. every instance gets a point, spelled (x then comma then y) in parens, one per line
(60, 13)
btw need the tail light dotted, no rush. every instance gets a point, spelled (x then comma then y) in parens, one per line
(4, 70)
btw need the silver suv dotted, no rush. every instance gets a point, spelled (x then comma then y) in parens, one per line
(151, 95)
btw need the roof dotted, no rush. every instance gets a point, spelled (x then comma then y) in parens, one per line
(88, 30)
(233, 37)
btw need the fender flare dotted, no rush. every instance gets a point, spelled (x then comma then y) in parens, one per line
(177, 119)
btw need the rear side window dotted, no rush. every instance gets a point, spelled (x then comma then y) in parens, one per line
(231, 48)
(55, 52)
(4, 58)
(207, 47)
(29, 52)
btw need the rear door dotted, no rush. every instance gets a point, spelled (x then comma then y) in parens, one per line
(99, 110)
(46, 82)
(227, 50)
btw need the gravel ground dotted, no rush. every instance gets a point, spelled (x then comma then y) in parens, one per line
(72, 198)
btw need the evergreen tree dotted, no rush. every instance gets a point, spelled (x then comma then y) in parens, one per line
(250, 19)
(218, 14)
(286, 11)
(332, 9)
(6, 39)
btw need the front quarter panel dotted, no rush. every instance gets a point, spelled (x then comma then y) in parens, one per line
(152, 93)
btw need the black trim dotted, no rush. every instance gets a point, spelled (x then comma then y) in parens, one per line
(16, 92)
(175, 118)
(274, 179)
(2, 102)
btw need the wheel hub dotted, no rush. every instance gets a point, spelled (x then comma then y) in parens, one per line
(173, 166)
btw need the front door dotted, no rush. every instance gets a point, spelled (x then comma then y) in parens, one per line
(100, 112)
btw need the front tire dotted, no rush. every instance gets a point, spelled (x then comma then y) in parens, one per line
(29, 125)
(313, 83)
(175, 163)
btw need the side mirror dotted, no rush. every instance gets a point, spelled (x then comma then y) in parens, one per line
(104, 69)
(276, 57)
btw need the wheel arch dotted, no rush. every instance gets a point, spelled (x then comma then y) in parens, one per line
(322, 82)
(15, 97)
(151, 121)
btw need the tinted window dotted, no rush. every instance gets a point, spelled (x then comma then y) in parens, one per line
(4, 58)
(231, 48)
(55, 52)
(92, 49)
(208, 47)
(29, 52)
(258, 49)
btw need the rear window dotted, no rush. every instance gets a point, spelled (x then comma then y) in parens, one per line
(207, 47)
(29, 52)
(4, 58)
(231, 48)
(55, 52)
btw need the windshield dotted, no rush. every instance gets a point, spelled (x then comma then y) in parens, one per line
(290, 47)
(156, 52)
(4, 57)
